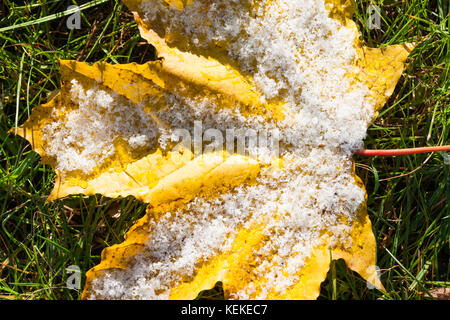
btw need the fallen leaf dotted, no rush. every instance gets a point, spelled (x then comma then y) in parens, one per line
(265, 221)
(438, 293)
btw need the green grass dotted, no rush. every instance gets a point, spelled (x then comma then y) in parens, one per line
(408, 195)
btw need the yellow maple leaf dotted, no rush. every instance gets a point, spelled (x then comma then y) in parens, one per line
(265, 220)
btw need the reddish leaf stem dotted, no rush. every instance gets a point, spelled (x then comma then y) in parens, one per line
(398, 152)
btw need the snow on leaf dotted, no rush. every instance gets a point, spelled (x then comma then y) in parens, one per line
(265, 224)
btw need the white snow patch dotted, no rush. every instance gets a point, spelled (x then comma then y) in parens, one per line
(82, 138)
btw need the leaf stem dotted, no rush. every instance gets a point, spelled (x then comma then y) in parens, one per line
(398, 152)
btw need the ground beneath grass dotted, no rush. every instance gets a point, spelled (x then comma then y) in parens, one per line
(408, 195)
